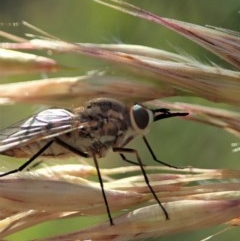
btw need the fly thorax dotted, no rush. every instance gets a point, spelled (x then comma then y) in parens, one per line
(110, 117)
(141, 119)
(108, 122)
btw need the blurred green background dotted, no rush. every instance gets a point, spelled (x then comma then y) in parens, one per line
(181, 142)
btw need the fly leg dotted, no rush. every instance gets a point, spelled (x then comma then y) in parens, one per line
(19, 169)
(155, 158)
(129, 150)
(129, 161)
(38, 163)
(123, 156)
(78, 152)
(103, 191)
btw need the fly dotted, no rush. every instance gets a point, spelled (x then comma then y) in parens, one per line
(89, 131)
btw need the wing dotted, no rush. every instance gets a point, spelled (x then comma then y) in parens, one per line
(44, 125)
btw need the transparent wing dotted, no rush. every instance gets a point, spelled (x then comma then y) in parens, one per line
(44, 125)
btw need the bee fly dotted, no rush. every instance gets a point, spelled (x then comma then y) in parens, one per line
(88, 131)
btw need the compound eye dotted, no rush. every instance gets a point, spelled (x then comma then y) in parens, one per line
(141, 117)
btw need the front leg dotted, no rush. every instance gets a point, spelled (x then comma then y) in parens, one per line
(133, 151)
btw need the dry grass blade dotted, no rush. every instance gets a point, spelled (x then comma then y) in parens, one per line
(46, 194)
(52, 193)
(184, 74)
(222, 42)
(65, 91)
(165, 71)
(13, 62)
